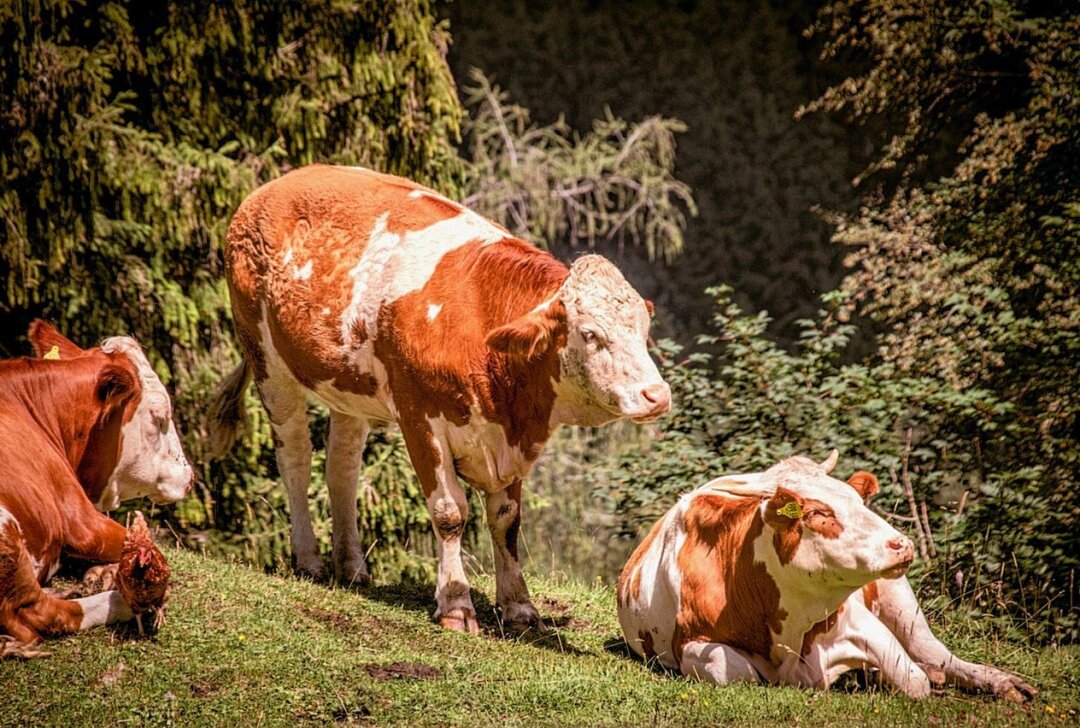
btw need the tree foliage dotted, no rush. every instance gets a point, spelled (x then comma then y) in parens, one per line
(546, 183)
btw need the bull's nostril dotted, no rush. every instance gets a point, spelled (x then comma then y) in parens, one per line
(898, 544)
(657, 394)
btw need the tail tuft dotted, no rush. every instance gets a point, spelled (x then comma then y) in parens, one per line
(227, 419)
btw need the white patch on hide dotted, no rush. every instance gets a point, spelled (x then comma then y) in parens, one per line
(302, 274)
(394, 265)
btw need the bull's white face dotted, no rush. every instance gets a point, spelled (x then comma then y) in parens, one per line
(151, 461)
(837, 539)
(605, 365)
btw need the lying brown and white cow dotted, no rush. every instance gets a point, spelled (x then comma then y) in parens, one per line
(787, 577)
(80, 431)
(390, 303)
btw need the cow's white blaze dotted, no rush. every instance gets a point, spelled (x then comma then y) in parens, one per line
(151, 461)
(606, 372)
(433, 310)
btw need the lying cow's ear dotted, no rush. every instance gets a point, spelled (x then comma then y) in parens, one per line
(44, 338)
(866, 484)
(116, 384)
(530, 335)
(650, 308)
(784, 509)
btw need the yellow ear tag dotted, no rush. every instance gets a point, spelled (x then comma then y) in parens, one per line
(53, 353)
(792, 510)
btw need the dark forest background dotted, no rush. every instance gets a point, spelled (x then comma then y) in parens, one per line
(734, 73)
(858, 219)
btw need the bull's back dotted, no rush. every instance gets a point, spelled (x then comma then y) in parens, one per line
(309, 254)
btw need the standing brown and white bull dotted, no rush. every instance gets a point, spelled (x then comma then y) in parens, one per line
(786, 576)
(390, 303)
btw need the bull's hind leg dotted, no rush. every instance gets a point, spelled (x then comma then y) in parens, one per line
(449, 511)
(285, 403)
(899, 610)
(504, 522)
(344, 456)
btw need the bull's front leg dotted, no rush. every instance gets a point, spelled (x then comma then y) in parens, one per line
(511, 593)
(449, 510)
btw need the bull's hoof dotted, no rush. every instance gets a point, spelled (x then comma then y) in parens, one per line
(520, 617)
(460, 620)
(312, 572)
(352, 576)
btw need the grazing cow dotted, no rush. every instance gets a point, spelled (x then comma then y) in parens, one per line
(786, 576)
(390, 303)
(80, 431)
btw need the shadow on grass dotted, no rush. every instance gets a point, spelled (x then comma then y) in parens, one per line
(417, 596)
(617, 646)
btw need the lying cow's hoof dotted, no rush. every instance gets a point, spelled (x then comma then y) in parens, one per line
(520, 616)
(1014, 690)
(460, 620)
(99, 578)
(935, 674)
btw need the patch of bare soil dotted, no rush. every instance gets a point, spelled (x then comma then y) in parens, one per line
(403, 671)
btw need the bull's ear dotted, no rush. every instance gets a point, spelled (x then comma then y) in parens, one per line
(528, 336)
(45, 339)
(116, 384)
(650, 308)
(866, 484)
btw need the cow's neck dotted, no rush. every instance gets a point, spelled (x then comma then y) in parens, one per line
(62, 400)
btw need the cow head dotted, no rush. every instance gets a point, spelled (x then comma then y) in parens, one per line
(602, 327)
(151, 460)
(823, 531)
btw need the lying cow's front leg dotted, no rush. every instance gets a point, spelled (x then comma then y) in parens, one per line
(91, 535)
(504, 523)
(449, 510)
(899, 610)
(861, 640)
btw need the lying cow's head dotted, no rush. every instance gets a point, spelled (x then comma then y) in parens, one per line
(823, 530)
(151, 460)
(602, 325)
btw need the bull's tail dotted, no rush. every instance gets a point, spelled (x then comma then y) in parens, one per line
(227, 417)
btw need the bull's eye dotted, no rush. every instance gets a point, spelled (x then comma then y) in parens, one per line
(588, 336)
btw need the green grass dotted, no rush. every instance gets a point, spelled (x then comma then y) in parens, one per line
(243, 648)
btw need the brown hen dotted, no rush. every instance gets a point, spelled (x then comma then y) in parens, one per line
(142, 576)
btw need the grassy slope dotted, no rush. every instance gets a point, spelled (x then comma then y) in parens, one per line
(242, 648)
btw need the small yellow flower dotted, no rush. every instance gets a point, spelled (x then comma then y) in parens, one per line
(1050, 709)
